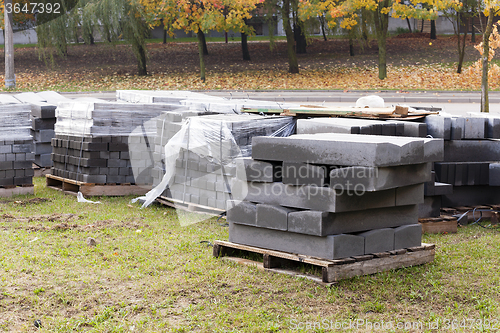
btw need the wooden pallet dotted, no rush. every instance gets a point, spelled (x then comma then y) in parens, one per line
(397, 112)
(9, 191)
(189, 207)
(331, 270)
(439, 225)
(70, 186)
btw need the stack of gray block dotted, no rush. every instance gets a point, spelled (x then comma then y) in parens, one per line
(43, 107)
(198, 178)
(16, 143)
(361, 126)
(332, 195)
(197, 101)
(471, 161)
(167, 125)
(105, 142)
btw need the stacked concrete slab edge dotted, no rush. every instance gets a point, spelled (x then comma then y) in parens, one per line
(332, 195)
(471, 162)
(16, 143)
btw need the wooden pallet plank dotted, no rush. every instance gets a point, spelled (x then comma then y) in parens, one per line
(332, 271)
(450, 226)
(70, 186)
(377, 265)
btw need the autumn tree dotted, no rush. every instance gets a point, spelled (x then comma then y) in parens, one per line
(461, 17)
(201, 16)
(381, 9)
(113, 19)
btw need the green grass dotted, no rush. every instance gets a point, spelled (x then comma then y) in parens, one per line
(163, 279)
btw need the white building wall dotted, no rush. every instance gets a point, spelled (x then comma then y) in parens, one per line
(22, 37)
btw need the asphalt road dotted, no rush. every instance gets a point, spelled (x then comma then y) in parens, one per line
(457, 102)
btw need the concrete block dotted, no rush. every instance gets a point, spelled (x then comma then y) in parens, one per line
(472, 196)
(442, 188)
(407, 236)
(494, 174)
(378, 240)
(431, 207)
(433, 150)
(377, 179)
(273, 216)
(320, 223)
(312, 197)
(241, 212)
(304, 174)
(475, 128)
(438, 126)
(248, 169)
(329, 247)
(457, 128)
(472, 150)
(341, 149)
(409, 195)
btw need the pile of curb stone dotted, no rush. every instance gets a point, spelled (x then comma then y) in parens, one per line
(332, 195)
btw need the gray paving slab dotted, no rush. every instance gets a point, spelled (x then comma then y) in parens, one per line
(329, 247)
(457, 128)
(273, 216)
(320, 223)
(494, 174)
(304, 174)
(409, 195)
(475, 128)
(378, 240)
(312, 197)
(382, 178)
(472, 150)
(343, 149)
(472, 196)
(248, 169)
(431, 207)
(438, 126)
(242, 212)
(407, 236)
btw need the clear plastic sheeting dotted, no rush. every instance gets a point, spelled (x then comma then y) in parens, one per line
(234, 105)
(200, 160)
(106, 118)
(161, 96)
(15, 122)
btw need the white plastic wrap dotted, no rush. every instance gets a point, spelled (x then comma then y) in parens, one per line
(215, 139)
(101, 118)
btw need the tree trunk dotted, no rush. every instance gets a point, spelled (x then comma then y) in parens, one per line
(10, 77)
(300, 38)
(409, 25)
(461, 47)
(485, 104)
(244, 46)
(381, 25)
(164, 36)
(201, 40)
(323, 26)
(433, 29)
(364, 25)
(141, 61)
(293, 66)
(473, 31)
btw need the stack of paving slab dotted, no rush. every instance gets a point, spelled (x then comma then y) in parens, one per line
(361, 126)
(16, 144)
(105, 142)
(43, 117)
(332, 195)
(471, 161)
(200, 177)
(197, 101)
